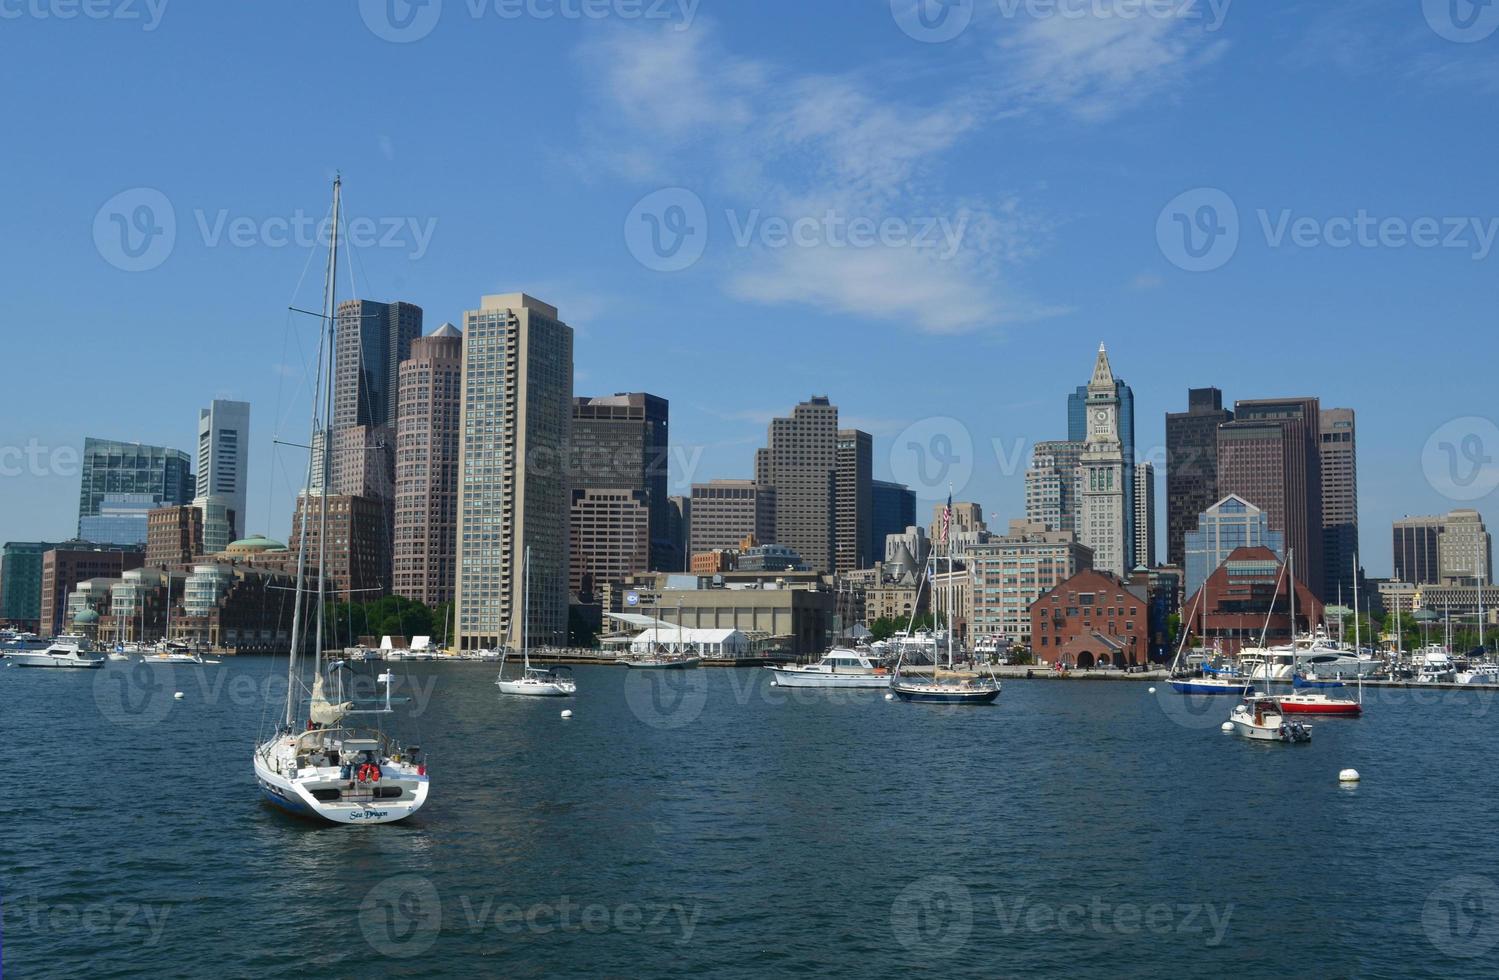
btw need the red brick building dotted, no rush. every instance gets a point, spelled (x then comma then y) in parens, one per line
(1246, 588)
(1092, 619)
(66, 565)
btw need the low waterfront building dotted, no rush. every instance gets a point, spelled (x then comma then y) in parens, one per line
(796, 620)
(1247, 597)
(1091, 620)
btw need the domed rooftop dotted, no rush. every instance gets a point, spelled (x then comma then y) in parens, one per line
(253, 545)
(86, 617)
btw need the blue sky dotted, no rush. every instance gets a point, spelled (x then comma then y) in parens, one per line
(964, 219)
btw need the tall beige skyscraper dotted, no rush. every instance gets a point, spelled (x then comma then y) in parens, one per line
(512, 483)
(429, 411)
(801, 462)
(1102, 524)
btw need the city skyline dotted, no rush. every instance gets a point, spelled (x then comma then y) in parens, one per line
(1043, 208)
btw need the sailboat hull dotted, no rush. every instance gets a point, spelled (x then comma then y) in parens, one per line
(353, 803)
(918, 694)
(1208, 686)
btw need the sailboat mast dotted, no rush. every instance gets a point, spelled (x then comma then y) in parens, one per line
(330, 314)
(525, 614)
(1357, 637)
(1295, 658)
(298, 628)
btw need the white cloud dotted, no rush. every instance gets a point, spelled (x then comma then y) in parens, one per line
(1097, 67)
(679, 107)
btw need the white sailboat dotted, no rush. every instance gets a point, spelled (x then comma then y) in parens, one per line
(317, 764)
(949, 686)
(534, 682)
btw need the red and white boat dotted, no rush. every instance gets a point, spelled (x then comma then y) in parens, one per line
(1317, 703)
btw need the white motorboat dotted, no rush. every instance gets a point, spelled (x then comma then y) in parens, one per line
(12, 641)
(316, 764)
(837, 668)
(1479, 674)
(65, 651)
(173, 655)
(535, 682)
(1262, 719)
(1436, 667)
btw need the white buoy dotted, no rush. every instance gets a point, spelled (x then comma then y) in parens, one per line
(1228, 726)
(889, 697)
(567, 712)
(177, 696)
(1348, 776)
(1152, 690)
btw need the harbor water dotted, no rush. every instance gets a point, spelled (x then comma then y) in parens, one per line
(705, 823)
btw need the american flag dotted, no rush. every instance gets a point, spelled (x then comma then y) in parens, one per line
(946, 520)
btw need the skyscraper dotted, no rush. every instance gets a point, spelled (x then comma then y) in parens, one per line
(893, 510)
(1077, 431)
(111, 467)
(1145, 514)
(854, 503)
(1191, 465)
(801, 463)
(512, 486)
(429, 410)
(679, 522)
(371, 341)
(1339, 452)
(1270, 455)
(1104, 520)
(619, 442)
(224, 457)
(1053, 491)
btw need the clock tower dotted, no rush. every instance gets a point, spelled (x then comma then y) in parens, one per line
(1102, 525)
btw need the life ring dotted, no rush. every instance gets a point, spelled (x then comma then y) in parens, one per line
(366, 774)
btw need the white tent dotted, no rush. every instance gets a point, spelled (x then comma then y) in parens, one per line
(721, 643)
